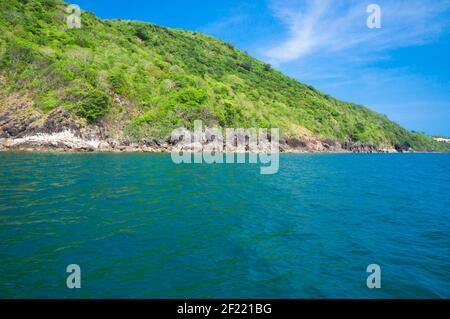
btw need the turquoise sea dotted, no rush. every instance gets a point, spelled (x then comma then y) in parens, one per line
(140, 226)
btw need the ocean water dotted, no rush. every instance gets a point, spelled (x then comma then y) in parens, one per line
(140, 226)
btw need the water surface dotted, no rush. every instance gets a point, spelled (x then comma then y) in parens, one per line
(141, 226)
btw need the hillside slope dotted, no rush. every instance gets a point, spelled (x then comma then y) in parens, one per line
(128, 81)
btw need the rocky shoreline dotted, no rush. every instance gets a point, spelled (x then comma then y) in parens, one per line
(67, 141)
(59, 131)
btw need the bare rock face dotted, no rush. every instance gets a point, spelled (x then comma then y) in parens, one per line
(94, 132)
(17, 120)
(295, 143)
(359, 147)
(57, 141)
(20, 120)
(332, 145)
(314, 145)
(59, 121)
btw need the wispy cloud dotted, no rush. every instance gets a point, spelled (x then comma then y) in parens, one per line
(324, 26)
(223, 24)
(327, 44)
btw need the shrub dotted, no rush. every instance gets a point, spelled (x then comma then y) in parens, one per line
(48, 102)
(246, 65)
(191, 98)
(231, 114)
(94, 105)
(118, 82)
(141, 32)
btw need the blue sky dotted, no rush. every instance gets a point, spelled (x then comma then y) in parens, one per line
(401, 70)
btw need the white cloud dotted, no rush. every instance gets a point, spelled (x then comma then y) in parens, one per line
(320, 27)
(224, 24)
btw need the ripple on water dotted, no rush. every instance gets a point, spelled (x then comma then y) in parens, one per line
(141, 226)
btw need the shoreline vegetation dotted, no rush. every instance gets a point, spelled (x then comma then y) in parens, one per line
(119, 85)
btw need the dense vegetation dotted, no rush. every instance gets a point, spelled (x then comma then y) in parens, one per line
(142, 80)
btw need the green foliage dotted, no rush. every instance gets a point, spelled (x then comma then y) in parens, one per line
(246, 65)
(48, 102)
(230, 114)
(118, 82)
(191, 98)
(94, 105)
(142, 32)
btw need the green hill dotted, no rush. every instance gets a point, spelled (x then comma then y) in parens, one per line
(138, 81)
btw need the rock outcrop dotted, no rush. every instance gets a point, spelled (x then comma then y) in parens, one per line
(24, 128)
